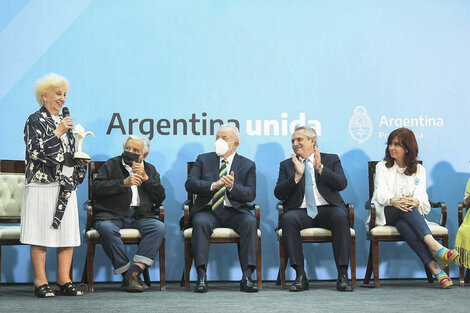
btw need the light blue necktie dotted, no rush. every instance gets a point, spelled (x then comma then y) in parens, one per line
(312, 210)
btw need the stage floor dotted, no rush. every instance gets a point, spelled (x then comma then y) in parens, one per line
(392, 296)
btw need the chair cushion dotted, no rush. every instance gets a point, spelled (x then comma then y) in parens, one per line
(314, 231)
(10, 232)
(220, 232)
(126, 233)
(386, 230)
(11, 194)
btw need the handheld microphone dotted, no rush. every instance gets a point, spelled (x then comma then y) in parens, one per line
(66, 113)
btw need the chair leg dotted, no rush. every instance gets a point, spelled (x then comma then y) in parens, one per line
(71, 271)
(445, 243)
(258, 266)
(375, 255)
(85, 272)
(369, 266)
(353, 261)
(162, 266)
(90, 261)
(428, 274)
(147, 276)
(283, 263)
(188, 261)
(467, 276)
(0, 269)
(461, 276)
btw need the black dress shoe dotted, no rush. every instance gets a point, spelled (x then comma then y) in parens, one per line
(201, 285)
(300, 284)
(247, 285)
(343, 283)
(130, 283)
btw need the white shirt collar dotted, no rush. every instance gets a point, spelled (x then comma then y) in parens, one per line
(229, 158)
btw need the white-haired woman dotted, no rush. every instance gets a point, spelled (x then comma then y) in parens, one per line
(49, 216)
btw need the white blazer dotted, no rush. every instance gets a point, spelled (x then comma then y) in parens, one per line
(384, 185)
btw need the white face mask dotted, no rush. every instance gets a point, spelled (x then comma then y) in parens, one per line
(221, 147)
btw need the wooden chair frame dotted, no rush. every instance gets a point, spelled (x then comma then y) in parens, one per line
(87, 276)
(373, 260)
(463, 277)
(14, 167)
(281, 277)
(188, 255)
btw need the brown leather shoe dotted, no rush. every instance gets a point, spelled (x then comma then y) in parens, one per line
(130, 283)
(142, 283)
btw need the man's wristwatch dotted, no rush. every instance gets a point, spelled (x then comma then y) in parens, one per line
(320, 168)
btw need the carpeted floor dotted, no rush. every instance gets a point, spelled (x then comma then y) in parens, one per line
(392, 296)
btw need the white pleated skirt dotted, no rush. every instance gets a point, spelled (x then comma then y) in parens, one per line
(37, 212)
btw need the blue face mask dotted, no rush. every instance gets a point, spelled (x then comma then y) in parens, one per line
(129, 158)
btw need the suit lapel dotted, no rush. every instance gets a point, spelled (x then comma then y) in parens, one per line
(235, 164)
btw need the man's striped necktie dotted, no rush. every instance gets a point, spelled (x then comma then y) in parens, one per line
(218, 198)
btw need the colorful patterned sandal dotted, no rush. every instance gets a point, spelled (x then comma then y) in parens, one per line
(444, 280)
(446, 256)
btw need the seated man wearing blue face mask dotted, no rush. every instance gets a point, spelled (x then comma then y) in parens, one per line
(127, 192)
(224, 183)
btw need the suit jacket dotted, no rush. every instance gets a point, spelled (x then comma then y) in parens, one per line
(112, 199)
(329, 184)
(205, 171)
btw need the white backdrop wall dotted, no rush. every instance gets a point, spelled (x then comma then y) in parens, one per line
(354, 70)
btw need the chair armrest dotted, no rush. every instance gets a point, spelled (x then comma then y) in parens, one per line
(351, 214)
(186, 206)
(280, 209)
(373, 214)
(443, 207)
(161, 213)
(89, 215)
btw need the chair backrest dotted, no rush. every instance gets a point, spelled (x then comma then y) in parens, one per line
(189, 167)
(371, 165)
(92, 172)
(12, 183)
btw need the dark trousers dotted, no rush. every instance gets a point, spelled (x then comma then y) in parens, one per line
(151, 230)
(412, 227)
(330, 217)
(243, 223)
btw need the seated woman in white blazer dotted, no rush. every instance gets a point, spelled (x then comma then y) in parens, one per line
(401, 200)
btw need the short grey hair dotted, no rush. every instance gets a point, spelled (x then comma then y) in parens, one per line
(145, 142)
(234, 129)
(309, 132)
(44, 83)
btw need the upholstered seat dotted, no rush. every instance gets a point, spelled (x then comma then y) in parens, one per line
(218, 233)
(386, 230)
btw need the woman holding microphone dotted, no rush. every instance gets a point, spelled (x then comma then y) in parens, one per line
(49, 216)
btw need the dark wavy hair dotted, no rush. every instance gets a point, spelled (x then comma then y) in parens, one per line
(407, 140)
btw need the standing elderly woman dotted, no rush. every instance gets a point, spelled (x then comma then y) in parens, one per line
(401, 200)
(49, 216)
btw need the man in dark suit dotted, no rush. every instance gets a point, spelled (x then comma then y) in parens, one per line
(224, 183)
(309, 184)
(127, 191)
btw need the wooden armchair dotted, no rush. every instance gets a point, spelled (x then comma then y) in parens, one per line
(390, 233)
(314, 235)
(464, 278)
(219, 235)
(12, 182)
(128, 235)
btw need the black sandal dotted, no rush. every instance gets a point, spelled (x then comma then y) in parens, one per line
(68, 289)
(43, 291)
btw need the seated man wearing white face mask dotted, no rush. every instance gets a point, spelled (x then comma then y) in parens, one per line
(224, 183)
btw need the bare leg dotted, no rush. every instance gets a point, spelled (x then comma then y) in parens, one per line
(64, 261)
(38, 261)
(432, 243)
(434, 267)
